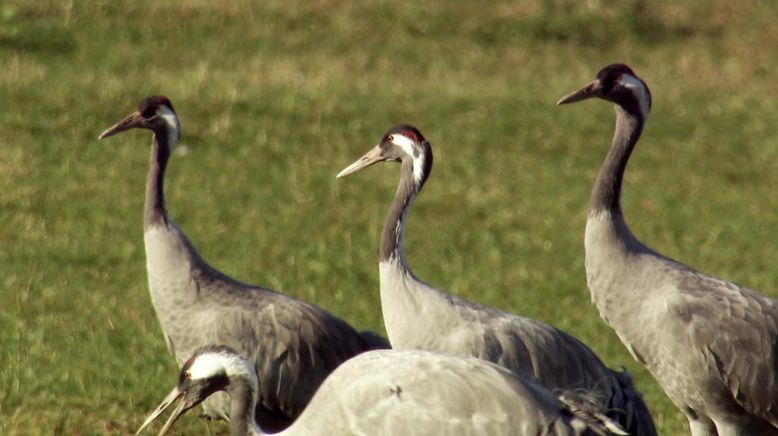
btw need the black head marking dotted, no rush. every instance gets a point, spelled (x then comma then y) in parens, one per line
(613, 75)
(615, 69)
(149, 107)
(610, 75)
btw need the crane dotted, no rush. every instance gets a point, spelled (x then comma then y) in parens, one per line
(294, 344)
(419, 316)
(711, 345)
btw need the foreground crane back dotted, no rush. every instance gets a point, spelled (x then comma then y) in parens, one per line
(391, 392)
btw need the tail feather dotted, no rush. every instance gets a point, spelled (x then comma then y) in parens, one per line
(623, 412)
(588, 418)
(637, 419)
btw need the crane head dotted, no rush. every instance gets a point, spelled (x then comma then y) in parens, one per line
(401, 143)
(154, 113)
(210, 369)
(616, 83)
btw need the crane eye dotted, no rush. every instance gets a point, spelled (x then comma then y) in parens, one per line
(390, 138)
(149, 112)
(188, 375)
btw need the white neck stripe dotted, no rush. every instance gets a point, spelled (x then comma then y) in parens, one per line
(171, 120)
(639, 89)
(409, 147)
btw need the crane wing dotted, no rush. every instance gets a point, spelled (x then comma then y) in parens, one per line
(736, 330)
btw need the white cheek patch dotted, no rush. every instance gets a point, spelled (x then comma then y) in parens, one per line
(409, 147)
(418, 168)
(171, 120)
(403, 142)
(639, 89)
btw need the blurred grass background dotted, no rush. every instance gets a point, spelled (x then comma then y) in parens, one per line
(276, 97)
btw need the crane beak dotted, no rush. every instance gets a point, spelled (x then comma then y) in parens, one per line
(183, 407)
(593, 89)
(133, 120)
(174, 395)
(371, 157)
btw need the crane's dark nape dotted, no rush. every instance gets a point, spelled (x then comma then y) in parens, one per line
(185, 289)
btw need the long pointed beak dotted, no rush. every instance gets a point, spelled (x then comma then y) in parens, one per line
(183, 407)
(133, 120)
(369, 158)
(174, 395)
(588, 91)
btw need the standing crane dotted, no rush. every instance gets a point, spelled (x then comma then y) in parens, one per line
(293, 344)
(391, 392)
(711, 345)
(418, 316)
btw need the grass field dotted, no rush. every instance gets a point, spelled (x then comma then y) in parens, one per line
(276, 97)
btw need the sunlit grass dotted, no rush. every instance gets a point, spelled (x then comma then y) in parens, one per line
(276, 97)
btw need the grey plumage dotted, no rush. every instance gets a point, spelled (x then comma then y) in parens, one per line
(710, 344)
(418, 316)
(394, 392)
(294, 344)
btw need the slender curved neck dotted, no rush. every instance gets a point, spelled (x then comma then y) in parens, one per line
(155, 213)
(394, 227)
(244, 401)
(606, 195)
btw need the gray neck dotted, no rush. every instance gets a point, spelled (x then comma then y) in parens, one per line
(155, 213)
(394, 227)
(242, 408)
(606, 195)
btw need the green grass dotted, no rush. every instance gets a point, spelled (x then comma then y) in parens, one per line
(276, 97)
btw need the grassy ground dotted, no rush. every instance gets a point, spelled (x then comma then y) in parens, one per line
(276, 97)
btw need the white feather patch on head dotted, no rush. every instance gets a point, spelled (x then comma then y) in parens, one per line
(212, 363)
(409, 147)
(173, 125)
(207, 365)
(639, 89)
